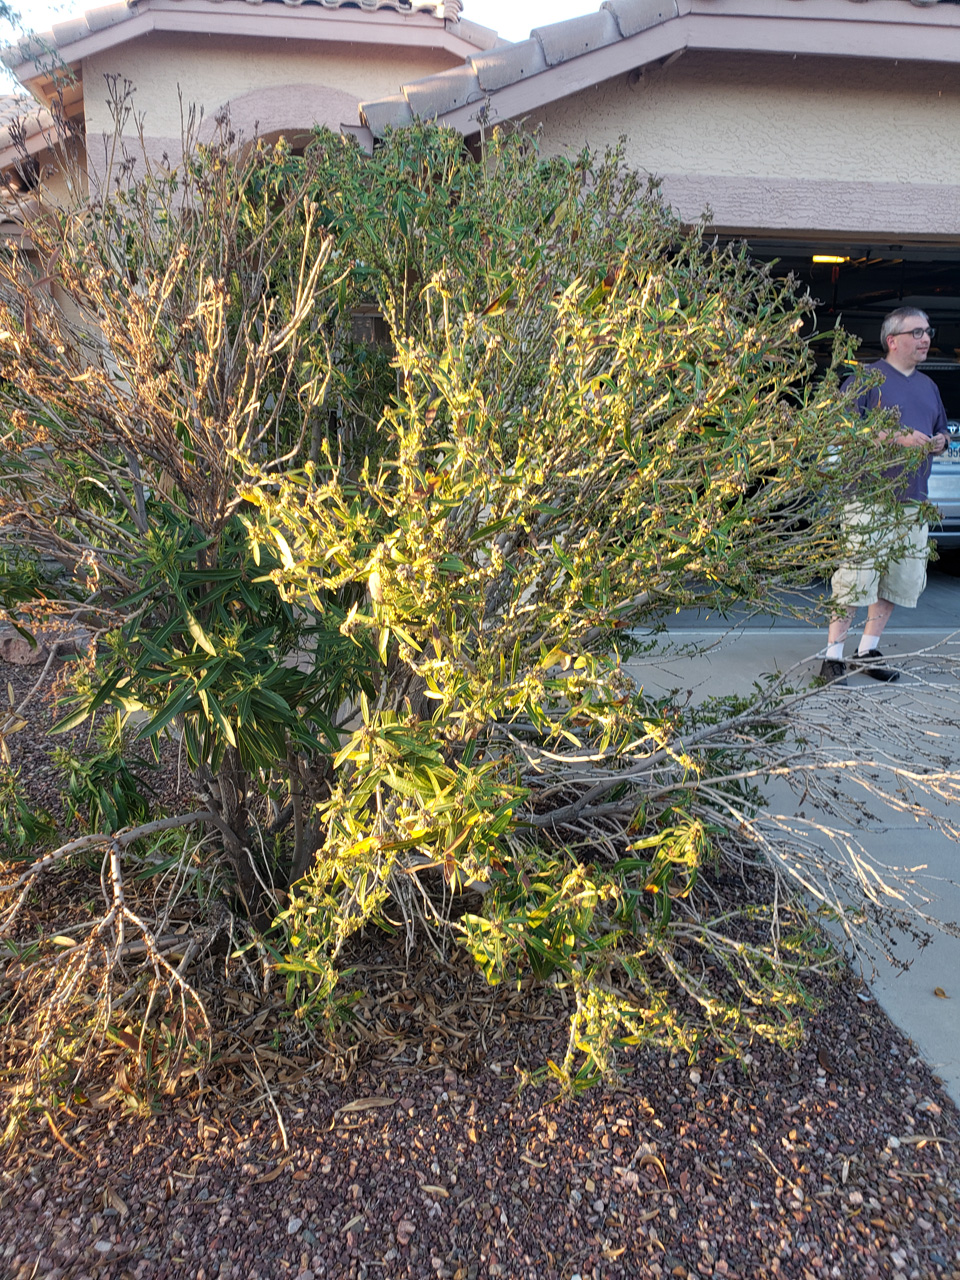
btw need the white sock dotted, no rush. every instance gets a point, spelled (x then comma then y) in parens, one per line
(835, 651)
(867, 643)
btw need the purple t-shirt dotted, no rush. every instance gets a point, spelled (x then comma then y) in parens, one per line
(921, 409)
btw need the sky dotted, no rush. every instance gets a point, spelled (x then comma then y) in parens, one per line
(513, 19)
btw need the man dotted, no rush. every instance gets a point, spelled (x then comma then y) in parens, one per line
(892, 570)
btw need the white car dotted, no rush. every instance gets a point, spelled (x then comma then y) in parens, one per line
(944, 487)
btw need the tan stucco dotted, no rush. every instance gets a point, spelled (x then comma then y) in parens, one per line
(772, 140)
(211, 71)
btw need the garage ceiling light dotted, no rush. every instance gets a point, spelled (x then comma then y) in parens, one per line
(829, 257)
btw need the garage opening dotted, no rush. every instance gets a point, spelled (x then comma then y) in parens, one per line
(854, 286)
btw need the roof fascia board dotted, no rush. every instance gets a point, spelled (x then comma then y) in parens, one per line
(96, 42)
(823, 35)
(729, 31)
(880, 12)
(332, 26)
(383, 27)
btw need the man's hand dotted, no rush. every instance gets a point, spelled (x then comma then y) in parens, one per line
(917, 440)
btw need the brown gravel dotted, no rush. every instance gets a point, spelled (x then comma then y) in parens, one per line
(423, 1153)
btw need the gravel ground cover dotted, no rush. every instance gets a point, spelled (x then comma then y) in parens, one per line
(420, 1148)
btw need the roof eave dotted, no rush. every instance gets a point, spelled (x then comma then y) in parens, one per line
(818, 27)
(236, 17)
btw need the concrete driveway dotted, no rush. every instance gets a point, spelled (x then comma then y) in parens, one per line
(710, 655)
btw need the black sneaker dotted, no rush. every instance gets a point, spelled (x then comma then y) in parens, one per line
(863, 663)
(833, 671)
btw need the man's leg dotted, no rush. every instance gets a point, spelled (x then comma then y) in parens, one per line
(878, 615)
(839, 630)
(856, 583)
(833, 667)
(902, 582)
(868, 651)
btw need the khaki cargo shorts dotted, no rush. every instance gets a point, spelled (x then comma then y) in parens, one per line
(886, 564)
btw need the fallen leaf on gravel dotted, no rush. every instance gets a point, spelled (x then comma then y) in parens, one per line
(354, 1222)
(537, 1164)
(921, 1139)
(436, 1191)
(648, 1216)
(274, 1173)
(825, 1061)
(365, 1104)
(111, 1200)
(655, 1160)
(937, 991)
(612, 1254)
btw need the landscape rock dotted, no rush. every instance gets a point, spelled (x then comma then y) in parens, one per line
(21, 652)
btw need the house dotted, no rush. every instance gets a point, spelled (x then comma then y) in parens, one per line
(279, 66)
(811, 128)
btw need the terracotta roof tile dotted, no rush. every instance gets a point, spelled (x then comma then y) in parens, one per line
(499, 67)
(453, 88)
(634, 16)
(562, 41)
(388, 112)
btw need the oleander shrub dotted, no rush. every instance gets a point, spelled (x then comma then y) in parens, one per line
(364, 472)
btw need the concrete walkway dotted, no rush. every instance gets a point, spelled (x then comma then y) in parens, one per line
(709, 656)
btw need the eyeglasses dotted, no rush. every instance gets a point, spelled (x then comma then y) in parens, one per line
(916, 334)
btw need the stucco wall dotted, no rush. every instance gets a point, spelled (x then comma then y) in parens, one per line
(211, 71)
(778, 141)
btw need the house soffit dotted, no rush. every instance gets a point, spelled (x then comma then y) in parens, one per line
(624, 36)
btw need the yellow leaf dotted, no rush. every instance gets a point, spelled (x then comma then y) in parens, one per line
(286, 555)
(940, 993)
(198, 633)
(60, 940)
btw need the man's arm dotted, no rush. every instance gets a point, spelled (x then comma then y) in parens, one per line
(934, 443)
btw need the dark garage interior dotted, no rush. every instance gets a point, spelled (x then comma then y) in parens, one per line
(864, 282)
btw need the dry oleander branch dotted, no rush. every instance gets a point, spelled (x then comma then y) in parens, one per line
(67, 1001)
(121, 838)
